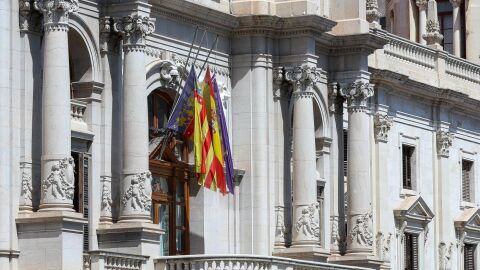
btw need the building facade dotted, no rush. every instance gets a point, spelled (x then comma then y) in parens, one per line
(354, 126)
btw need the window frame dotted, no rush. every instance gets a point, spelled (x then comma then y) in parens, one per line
(412, 141)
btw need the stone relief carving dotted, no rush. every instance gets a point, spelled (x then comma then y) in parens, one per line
(425, 234)
(357, 94)
(361, 232)
(444, 142)
(26, 190)
(335, 236)
(433, 32)
(383, 245)
(169, 75)
(60, 183)
(134, 29)
(382, 124)
(308, 223)
(279, 225)
(372, 11)
(106, 200)
(56, 12)
(136, 196)
(335, 99)
(445, 254)
(108, 41)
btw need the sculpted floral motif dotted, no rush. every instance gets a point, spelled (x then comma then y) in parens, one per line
(433, 35)
(383, 245)
(134, 29)
(357, 94)
(382, 125)
(308, 223)
(136, 196)
(56, 11)
(445, 255)
(361, 232)
(60, 182)
(444, 142)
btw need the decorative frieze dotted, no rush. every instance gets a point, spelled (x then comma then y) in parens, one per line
(56, 13)
(357, 94)
(308, 222)
(134, 29)
(444, 142)
(137, 197)
(59, 185)
(382, 124)
(383, 246)
(361, 232)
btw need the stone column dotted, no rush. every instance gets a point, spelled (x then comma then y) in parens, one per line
(433, 36)
(306, 223)
(422, 20)
(359, 184)
(136, 183)
(57, 164)
(457, 21)
(472, 21)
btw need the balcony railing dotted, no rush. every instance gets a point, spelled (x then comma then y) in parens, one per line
(101, 260)
(241, 262)
(77, 111)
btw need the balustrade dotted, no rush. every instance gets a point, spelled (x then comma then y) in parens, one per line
(77, 111)
(101, 260)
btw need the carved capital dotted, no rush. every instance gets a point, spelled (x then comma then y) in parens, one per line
(56, 13)
(444, 142)
(357, 94)
(372, 11)
(29, 19)
(134, 29)
(335, 98)
(108, 40)
(456, 3)
(382, 124)
(422, 4)
(302, 77)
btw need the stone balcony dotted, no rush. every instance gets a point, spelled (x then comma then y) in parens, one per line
(405, 62)
(241, 262)
(101, 260)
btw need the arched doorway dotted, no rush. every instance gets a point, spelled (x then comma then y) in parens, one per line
(170, 178)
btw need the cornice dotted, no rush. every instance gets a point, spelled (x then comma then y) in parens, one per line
(351, 44)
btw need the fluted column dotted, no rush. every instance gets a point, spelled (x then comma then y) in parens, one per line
(136, 183)
(57, 164)
(422, 20)
(457, 21)
(359, 184)
(306, 223)
(433, 36)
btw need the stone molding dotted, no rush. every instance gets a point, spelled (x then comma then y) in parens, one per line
(372, 11)
(56, 13)
(136, 197)
(361, 232)
(134, 30)
(308, 222)
(357, 94)
(382, 125)
(59, 185)
(444, 142)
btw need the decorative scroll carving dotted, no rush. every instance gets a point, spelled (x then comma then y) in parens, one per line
(401, 231)
(444, 142)
(383, 245)
(445, 254)
(382, 124)
(461, 241)
(361, 232)
(136, 196)
(56, 13)
(357, 94)
(60, 183)
(303, 77)
(134, 29)
(372, 11)
(308, 223)
(425, 234)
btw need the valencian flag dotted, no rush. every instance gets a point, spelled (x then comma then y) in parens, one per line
(199, 114)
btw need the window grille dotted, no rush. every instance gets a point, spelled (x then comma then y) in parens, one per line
(345, 151)
(466, 180)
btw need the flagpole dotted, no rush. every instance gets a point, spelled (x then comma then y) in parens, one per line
(208, 56)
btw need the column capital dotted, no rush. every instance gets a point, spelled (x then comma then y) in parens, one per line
(372, 11)
(134, 29)
(29, 19)
(108, 38)
(382, 124)
(444, 142)
(56, 13)
(357, 94)
(422, 4)
(455, 3)
(335, 99)
(303, 78)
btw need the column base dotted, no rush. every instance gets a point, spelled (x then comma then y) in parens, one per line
(137, 238)
(135, 219)
(317, 254)
(50, 240)
(357, 259)
(58, 207)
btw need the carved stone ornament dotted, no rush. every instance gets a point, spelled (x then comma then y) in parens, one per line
(455, 3)
(433, 35)
(29, 19)
(136, 197)
(26, 189)
(279, 225)
(169, 74)
(134, 29)
(60, 183)
(445, 255)
(357, 94)
(422, 3)
(372, 11)
(108, 41)
(303, 78)
(382, 124)
(335, 236)
(361, 232)
(56, 13)
(444, 142)
(401, 231)
(308, 223)
(383, 246)
(106, 199)
(335, 99)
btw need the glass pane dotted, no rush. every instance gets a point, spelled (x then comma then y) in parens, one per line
(163, 224)
(162, 111)
(159, 184)
(180, 215)
(180, 196)
(179, 241)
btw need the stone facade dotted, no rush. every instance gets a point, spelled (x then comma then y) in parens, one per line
(301, 81)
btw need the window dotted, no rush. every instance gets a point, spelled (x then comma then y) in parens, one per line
(158, 110)
(469, 257)
(80, 196)
(467, 176)
(411, 251)
(445, 20)
(408, 166)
